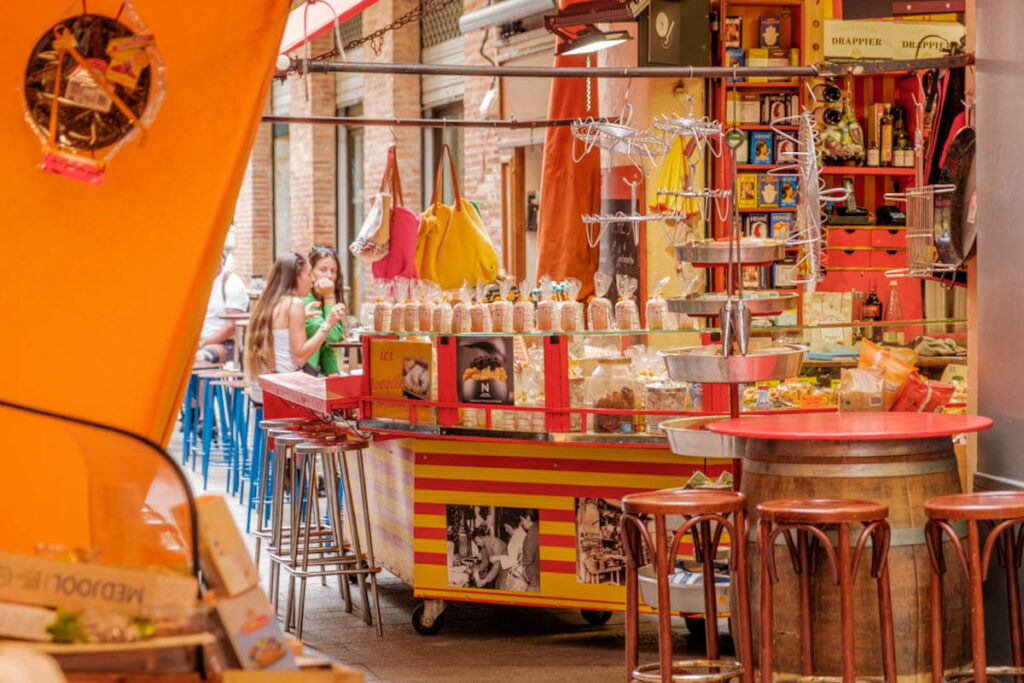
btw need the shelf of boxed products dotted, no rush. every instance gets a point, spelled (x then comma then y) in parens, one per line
(868, 170)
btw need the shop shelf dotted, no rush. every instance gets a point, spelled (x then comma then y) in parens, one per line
(770, 209)
(758, 167)
(867, 170)
(758, 126)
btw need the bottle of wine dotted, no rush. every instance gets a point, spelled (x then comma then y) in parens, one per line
(893, 334)
(871, 311)
(885, 134)
(903, 154)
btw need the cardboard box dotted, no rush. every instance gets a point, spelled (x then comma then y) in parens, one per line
(781, 223)
(79, 585)
(735, 56)
(762, 145)
(223, 556)
(25, 622)
(767, 191)
(757, 56)
(770, 34)
(756, 225)
(254, 632)
(747, 184)
(789, 186)
(733, 32)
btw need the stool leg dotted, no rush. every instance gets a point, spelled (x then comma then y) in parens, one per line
(662, 572)
(934, 533)
(369, 540)
(1013, 596)
(354, 530)
(977, 607)
(205, 385)
(764, 530)
(187, 420)
(885, 623)
(631, 541)
(804, 579)
(746, 648)
(334, 511)
(846, 605)
(710, 599)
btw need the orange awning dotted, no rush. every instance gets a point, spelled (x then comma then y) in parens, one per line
(307, 22)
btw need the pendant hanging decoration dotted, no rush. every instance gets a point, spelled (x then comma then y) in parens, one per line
(92, 83)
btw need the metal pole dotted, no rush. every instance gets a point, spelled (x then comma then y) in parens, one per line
(421, 123)
(810, 71)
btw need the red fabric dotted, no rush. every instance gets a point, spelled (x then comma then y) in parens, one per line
(568, 190)
(401, 257)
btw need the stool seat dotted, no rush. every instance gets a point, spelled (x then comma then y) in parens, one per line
(822, 511)
(329, 446)
(987, 505)
(682, 501)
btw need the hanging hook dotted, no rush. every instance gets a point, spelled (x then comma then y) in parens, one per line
(394, 138)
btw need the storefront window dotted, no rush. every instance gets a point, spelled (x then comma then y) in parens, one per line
(434, 139)
(351, 196)
(282, 191)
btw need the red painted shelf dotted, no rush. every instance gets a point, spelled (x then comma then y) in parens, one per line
(867, 170)
(757, 126)
(762, 86)
(758, 167)
(769, 209)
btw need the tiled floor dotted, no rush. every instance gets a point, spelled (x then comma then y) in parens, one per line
(477, 643)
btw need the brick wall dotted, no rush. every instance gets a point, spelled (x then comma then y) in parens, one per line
(481, 158)
(253, 220)
(312, 155)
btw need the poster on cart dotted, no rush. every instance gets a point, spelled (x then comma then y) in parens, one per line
(600, 557)
(485, 370)
(400, 369)
(496, 548)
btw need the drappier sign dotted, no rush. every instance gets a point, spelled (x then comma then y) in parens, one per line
(878, 40)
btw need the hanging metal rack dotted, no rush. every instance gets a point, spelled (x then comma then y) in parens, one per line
(421, 123)
(822, 70)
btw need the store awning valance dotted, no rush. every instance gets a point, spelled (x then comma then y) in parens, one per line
(309, 21)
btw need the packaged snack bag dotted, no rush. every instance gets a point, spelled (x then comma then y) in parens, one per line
(896, 374)
(658, 317)
(382, 307)
(547, 307)
(479, 311)
(442, 315)
(523, 314)
(460, 312)
(627, 315)
(570, 311)
(412, 306)
(871, 355)
(921, 396)
(501, 308)
(861, 390)
(599, 310)
(427, 305)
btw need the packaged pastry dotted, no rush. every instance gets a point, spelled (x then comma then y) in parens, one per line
(547, 307)
(523, 315)
(428, 304)
(460, 313)
(599, 309)
(861, 390)
(401, 289)
(441, 317)
(412, 306)
(479, 312)
(570, 311)
(658, 317)
(627, 315)
(501, 308)
(921, 396)
(381, 307)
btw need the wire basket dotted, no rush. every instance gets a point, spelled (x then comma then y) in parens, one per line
(922, 257)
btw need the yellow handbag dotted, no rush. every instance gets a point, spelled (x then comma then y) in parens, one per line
(453, 247)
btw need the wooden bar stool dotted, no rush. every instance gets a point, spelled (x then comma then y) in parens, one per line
(811, 519)
(706, 515)
(1003, 515)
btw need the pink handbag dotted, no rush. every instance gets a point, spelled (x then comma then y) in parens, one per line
(400, 260)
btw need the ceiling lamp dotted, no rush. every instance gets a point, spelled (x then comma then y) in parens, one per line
(590, 39)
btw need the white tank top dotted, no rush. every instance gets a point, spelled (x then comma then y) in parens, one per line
(283, 360)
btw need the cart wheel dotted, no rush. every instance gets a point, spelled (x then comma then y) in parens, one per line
(422, 628)
(595, 617)
(696, 626)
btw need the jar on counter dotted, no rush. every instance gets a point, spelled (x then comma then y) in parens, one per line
(664, 396)
(613, 386)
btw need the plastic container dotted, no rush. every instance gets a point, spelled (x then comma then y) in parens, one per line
(613, 386)
(664, 396)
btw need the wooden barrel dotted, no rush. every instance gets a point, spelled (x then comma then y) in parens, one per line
(903, 474)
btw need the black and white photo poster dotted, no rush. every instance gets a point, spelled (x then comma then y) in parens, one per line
(493, 547)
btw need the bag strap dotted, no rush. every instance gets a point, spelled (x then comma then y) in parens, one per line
(391, 180)
(434, 198)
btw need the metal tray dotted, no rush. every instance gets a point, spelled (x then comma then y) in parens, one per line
(760, 302)
(686, 438)
(684, 599)
(709, 252)
(697, 364)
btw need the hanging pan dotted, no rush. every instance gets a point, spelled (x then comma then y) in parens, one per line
(956, 212)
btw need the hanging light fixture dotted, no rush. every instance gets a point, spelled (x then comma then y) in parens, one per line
(591, 39)
(576, 26)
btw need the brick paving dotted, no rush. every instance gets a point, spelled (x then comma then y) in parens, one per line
(478, 642)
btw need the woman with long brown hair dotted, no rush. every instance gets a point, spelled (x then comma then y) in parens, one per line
(328, 288)
(276, 339)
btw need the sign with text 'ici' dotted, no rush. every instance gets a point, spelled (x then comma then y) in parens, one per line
(880, 40)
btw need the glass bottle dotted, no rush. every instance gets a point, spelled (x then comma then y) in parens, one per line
(873, 154)
(614, 386)
(893, 334)
(871, 311)
(885, 137)
(858, 313)
(903, 153)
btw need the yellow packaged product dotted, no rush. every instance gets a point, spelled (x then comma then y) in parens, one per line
(872, 356)
(896, 374)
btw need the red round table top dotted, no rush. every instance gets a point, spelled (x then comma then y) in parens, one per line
(851, 426)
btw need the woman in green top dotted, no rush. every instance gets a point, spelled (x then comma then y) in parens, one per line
(326, 292)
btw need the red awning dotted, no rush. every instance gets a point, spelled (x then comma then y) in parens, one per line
(307, 22)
